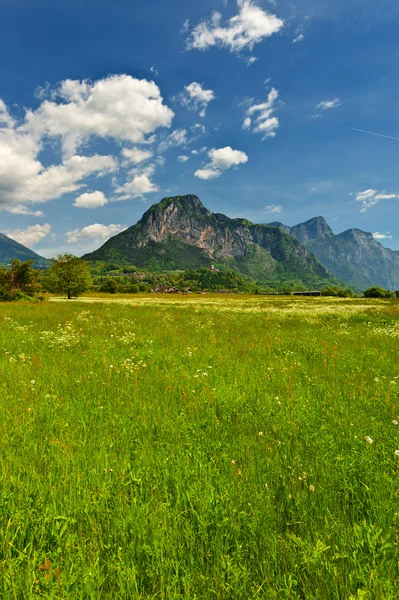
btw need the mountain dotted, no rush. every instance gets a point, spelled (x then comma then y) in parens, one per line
(180, 233)
(353, 255)
(11, 249)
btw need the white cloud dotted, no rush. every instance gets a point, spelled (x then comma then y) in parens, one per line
(154, 71)
(5, 118)
(299, 38)
(67, 177)
(251, 60)
(24, 179)
(195, 97)
(20, 209)
(119, 107)
(198, 127)
(265, 123)
(135, 155)
(31, 235)
(371, 197)
(224, 158)
(382, 236)
(176, 138)
(246, 29)
(183, 159)
(138, 186)
(273, 209)
(207, 173)
(221, 160)
(91, 200)
(329, 104)
(247, 123)
(186, 25)
(97, 231)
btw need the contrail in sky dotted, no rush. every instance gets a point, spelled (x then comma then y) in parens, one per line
(379, 134)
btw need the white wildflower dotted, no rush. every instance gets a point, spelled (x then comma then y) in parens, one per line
(368, 439)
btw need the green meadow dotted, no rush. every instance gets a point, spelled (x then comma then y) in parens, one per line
(199, 448)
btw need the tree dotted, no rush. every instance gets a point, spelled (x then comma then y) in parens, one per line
(377, 292)
(69, 275)
(110, 285)
(22, 279)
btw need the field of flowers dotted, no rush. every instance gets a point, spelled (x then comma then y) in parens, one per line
(199, 448)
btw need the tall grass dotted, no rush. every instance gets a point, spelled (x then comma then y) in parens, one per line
(199, 448)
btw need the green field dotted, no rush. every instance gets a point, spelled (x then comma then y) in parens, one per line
(199, 448)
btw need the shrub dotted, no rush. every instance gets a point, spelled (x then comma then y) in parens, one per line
(377, 292)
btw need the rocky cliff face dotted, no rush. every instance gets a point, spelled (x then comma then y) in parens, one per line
(179, 232)
(10, 249)
(353, 255)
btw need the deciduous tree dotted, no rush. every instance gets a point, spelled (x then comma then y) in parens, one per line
(69, 275)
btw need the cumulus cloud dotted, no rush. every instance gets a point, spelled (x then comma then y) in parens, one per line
(119, 107)
(243, 31)
(5, 118)
(138, 184)
(196, 97)
(273, 209)
(265, 122)
(224, 158)
(207, 173)
(371, 197)
(135, 155)
(20, 209)
(183, 158)
(31, 235)
(382, 236)
(176, 138)
(97, 231)
(91, 200)
(24, 179)
(221, 159)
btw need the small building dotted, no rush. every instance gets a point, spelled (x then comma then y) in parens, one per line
(308, 293)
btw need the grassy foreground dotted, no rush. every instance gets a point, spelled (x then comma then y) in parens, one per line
(200, 448)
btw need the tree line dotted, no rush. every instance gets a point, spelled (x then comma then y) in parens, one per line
(70, 276)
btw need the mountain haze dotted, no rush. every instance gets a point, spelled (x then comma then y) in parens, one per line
(10, 249)
(353, 255)
(180, 233)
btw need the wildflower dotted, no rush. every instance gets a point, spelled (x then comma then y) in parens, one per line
(397, 453)
(368, 439)
(111, 366)
(233, 462)
(261, 434)
(33, 382)
(394, 422)
(312, 488)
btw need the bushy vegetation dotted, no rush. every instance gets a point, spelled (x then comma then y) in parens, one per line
(199, 447)
(20, 281)
(378, 292)
(337, 292)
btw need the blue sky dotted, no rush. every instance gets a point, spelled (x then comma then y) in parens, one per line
(105, 108)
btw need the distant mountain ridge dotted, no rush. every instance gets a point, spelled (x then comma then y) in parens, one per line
(180, 233)
(10, 249)
(353, 255)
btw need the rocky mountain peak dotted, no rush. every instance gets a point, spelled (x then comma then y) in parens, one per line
(315, 228)
(356, 235)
